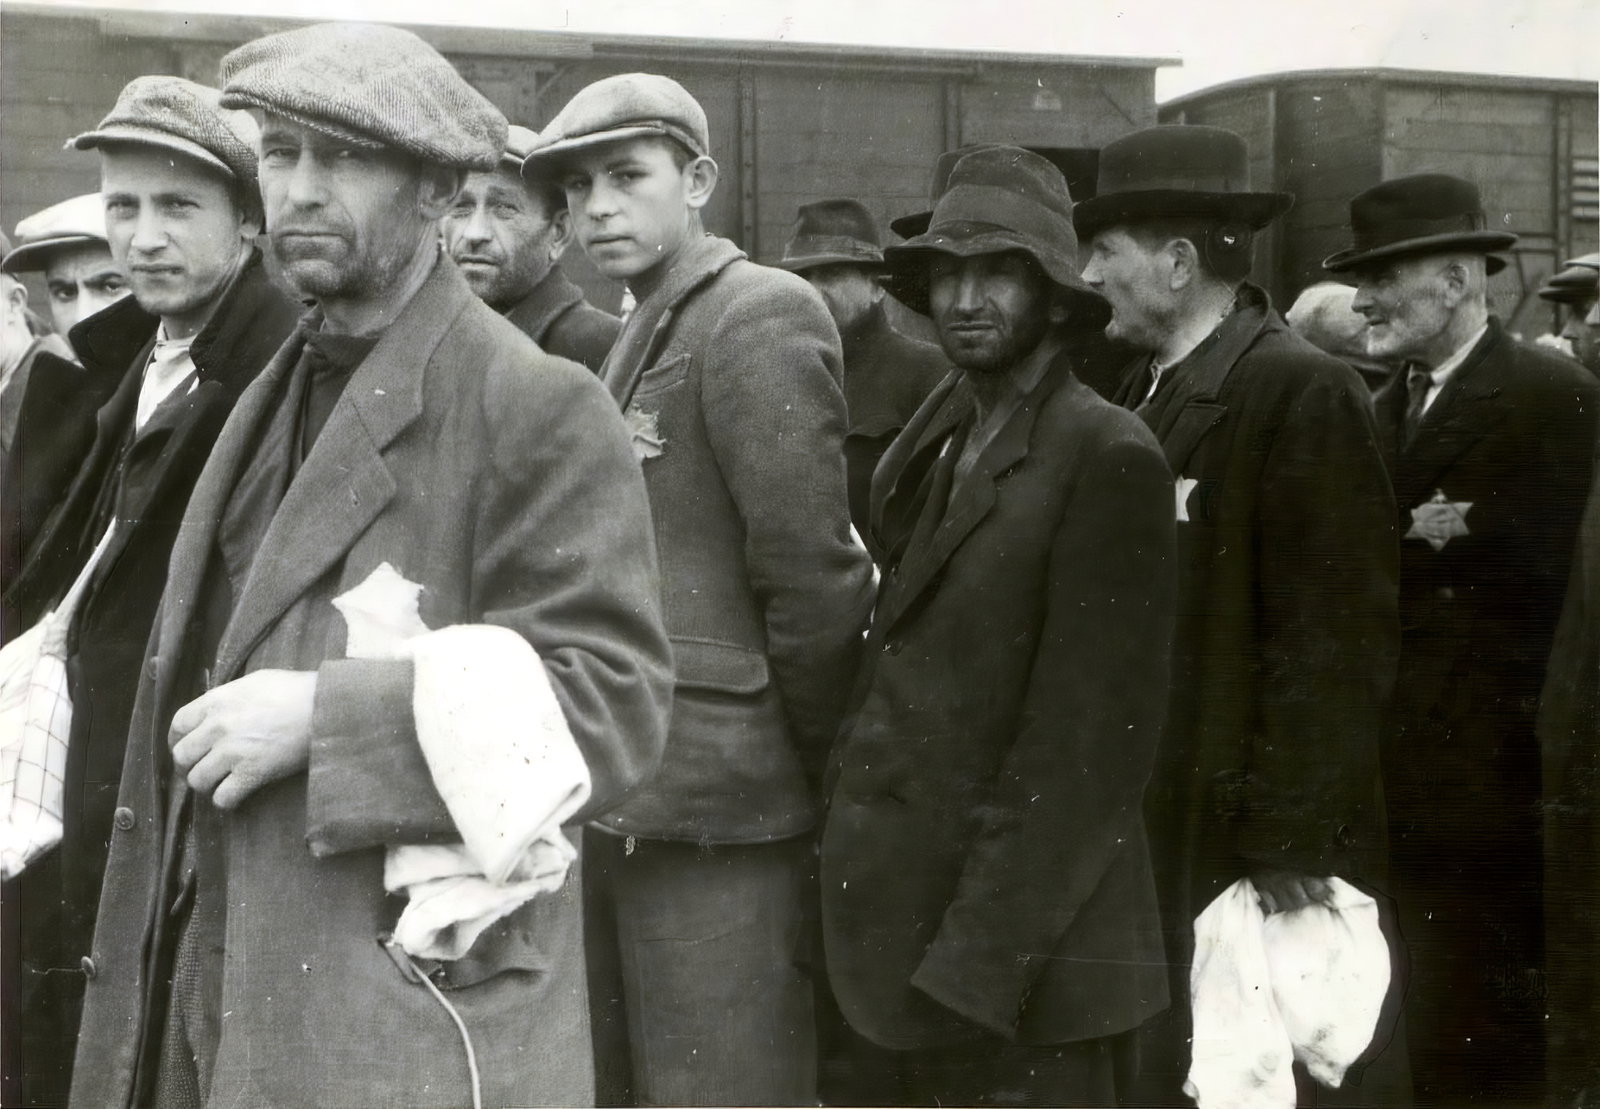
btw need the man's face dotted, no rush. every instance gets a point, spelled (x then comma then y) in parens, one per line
(1406, 303)
(81, 280)
(15, 338)
(1583, 332)
(848, 290)
(174, 227)
(990, 310)
(344, 221)
(502, 236)
(630, 204)
(1136, 281)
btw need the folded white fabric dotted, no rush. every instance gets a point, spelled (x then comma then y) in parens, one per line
(501, 755)
(1307, 984)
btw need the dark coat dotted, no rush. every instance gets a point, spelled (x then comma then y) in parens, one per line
(555, 315)
(728, 373)
(984, 845)
(887, 375)
(472, 462)
(1284, 657)
(145, 487)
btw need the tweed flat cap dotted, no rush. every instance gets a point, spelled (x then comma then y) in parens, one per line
(369, 84)
(70, 223)
(627, 106)
(175, 114)
(520, 142)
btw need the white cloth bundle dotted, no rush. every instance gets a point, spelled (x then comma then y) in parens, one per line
(501, 755)
(1307, 984)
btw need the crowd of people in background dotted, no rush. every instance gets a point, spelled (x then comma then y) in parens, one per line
(423, 687)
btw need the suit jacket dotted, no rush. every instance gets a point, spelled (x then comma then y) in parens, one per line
(984, 846)
(555, 315)
(143, 484)
(887, 376)
(728, 373)
(1284, 658)
(472, 462)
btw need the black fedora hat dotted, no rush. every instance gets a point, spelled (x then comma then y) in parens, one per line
(909, 227)
(999, 199)
(832, 231)
(1425, 213)
(1176, 170)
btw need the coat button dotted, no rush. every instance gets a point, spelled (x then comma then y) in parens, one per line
(123, 819)
(86, 965)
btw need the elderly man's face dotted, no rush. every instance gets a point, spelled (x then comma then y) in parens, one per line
(1136, 280)
(847, 289)
(81, 280)
(990, 310)
(503, 236)
(174, 227)
(344, 221)
(1407, 304)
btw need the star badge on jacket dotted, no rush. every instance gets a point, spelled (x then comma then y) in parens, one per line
(646, 433)
(1439, 520)
(1183, 487)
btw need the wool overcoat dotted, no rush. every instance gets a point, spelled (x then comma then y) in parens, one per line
(474, 464)
(984, 846)
(555, 315)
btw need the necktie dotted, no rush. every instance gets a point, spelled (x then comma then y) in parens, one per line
(1418, 382)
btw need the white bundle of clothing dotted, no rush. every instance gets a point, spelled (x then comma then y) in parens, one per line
(1268, 989)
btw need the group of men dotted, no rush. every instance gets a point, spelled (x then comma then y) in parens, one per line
(906, 703)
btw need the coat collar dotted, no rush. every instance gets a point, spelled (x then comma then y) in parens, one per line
(647, 329)
(545, 303)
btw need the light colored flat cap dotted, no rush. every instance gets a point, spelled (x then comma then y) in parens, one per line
(70, 223)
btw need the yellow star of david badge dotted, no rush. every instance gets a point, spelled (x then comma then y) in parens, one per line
(1439, 520)
(1183, 487)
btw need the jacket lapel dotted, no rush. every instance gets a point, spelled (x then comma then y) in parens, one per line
(900, 483)
(553, 295)
(1463, 413)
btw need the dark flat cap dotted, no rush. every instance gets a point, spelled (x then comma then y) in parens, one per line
(829, 232)
(175, 114)
(627, 106)
(372, 84)
(70, 223)
(1577, 284)
(1425, 213)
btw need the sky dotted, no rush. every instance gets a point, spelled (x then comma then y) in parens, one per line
(1218, 40)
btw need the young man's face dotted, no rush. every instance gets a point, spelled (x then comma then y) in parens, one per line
(175, 228)
(1407, 304)
(1136, 283)
(502, 236)
(631, 204)
(82, 279)
(847, 289)
(991, 310)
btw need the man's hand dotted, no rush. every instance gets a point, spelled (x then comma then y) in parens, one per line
(1283, 891)
(241, 736)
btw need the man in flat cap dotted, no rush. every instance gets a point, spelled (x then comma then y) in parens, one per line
(1490, 445)
(66, 242)
(729, 375)
(508, 235)
(1284, 656)
(1576, 291)
(989, 909)
(834, 246)
(393, 618)
(181, 210)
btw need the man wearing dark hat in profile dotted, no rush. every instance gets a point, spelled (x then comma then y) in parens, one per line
(1576, 291)
(508, 236)
(886, 374)
(408, 467)
(1284, 656)
(989, 908)
(1491, 445)
(181, 210)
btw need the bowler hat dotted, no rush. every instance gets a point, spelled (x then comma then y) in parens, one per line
(1176, 170)
(370, 85)
(999, 199)
(69, 223)
(626, 106)
(176, 114)
(908, 227)
(1426, 213)
(832, 231)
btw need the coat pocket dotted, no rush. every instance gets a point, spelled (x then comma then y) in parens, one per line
(709, 664)
(663, 375)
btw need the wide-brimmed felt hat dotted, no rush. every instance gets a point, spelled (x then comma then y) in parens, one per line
(999, 199)
(369, 85)
(175, 114)
(69, 223)
(909, 227)
(1425, 213)
(830, 232)
(1176, 170)
(1577, 284)
(626, 106)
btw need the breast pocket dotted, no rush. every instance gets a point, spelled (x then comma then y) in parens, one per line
(663, 375)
